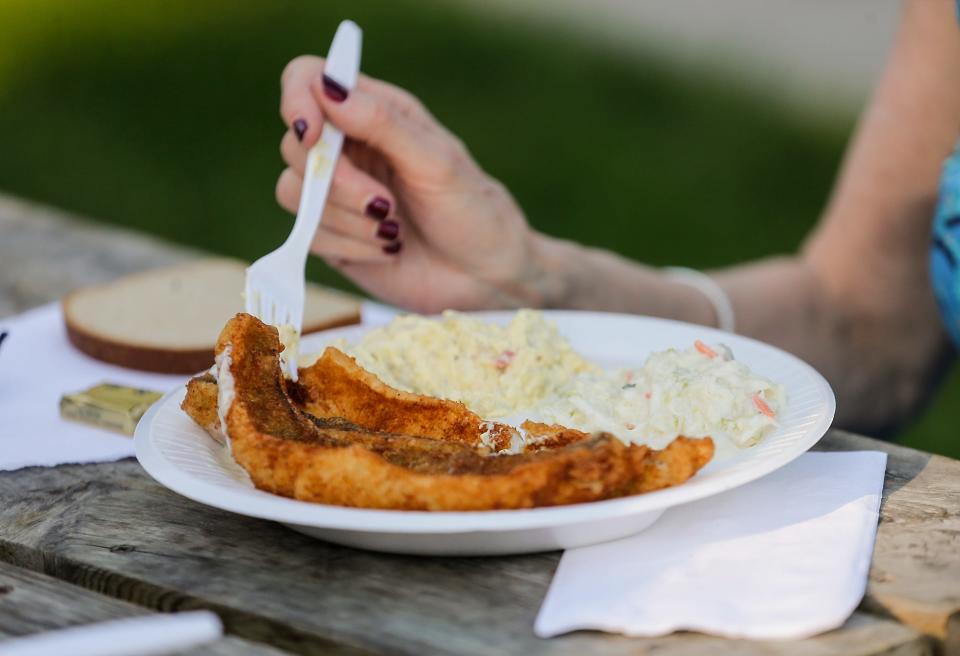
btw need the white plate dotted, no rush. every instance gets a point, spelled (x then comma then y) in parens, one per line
(181, 456)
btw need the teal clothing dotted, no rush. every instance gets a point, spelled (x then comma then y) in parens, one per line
(945, 247)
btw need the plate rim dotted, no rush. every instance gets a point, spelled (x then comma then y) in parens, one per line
(265, 505)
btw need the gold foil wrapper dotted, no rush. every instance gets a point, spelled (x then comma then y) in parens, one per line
(113, 407)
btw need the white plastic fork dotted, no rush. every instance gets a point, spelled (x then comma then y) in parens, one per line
(274, 290)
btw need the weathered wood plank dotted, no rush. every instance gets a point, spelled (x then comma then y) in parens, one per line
(111, 529)
(45, 253)
(31, 602)
(915, 575)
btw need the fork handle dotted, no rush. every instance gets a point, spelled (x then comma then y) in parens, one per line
(321, 161)
(343, 65)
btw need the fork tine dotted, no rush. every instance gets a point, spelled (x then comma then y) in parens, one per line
(248, 300)
(255, 304)
(273, 313)
(255, 297)
(268, 311)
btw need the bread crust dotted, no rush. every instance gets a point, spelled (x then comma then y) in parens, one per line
(141, 357)
(159, 360)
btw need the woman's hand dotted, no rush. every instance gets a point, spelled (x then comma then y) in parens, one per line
(411, 218)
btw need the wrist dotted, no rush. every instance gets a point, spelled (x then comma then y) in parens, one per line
(545, 275)
(709, 289)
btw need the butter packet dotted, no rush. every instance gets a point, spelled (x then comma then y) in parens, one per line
(113, 407)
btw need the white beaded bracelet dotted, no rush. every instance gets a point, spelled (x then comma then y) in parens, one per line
(709, 288)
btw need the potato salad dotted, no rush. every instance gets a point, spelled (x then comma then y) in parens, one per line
(494, 370)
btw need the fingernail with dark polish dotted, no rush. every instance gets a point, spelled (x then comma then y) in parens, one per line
(299, 128)
(388, 230)
(378, 208)
(334, 90)
(393, 247)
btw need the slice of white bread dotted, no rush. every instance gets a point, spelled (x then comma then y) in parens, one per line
(167, 320)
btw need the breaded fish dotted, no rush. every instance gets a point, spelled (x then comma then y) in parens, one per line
(550, 436)
(336, 387)
(201, 404)
(288, 451)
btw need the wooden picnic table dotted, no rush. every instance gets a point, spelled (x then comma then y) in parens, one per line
(80, 543)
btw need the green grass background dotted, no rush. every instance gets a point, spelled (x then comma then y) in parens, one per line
(162, 116)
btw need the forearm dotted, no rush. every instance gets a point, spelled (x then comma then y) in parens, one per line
(870, 253)
(778, 300)
(572, 276)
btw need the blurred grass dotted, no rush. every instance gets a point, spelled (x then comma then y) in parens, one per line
(162, 116)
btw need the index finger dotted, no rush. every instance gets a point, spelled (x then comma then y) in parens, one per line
(298, 107)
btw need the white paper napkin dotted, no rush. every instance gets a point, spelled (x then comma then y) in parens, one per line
(38, 366)
(784, 557)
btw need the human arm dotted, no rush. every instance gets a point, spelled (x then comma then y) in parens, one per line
(866, 315)
(855, 301)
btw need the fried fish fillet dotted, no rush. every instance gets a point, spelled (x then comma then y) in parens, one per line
(336, 387)
(550, 436)
(201, 404)
(290, 452)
